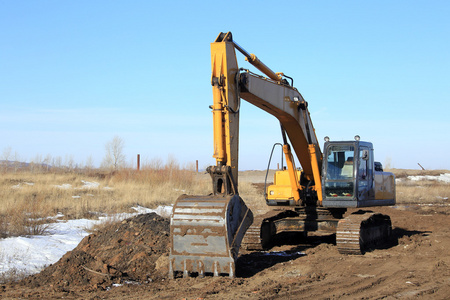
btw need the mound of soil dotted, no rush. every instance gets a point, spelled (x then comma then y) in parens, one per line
(128, 251)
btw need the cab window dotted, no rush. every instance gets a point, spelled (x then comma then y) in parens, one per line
(340, 162)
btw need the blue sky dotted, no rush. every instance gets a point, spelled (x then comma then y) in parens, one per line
(73, 74)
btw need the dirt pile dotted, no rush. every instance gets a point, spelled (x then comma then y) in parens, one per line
(131, 250)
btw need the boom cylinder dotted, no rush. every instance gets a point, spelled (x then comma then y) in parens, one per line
(262, 67)
(219, 135)
(251, 58)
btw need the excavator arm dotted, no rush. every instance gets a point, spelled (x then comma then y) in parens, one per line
(272, 94)
(225, 110)
(288, 106)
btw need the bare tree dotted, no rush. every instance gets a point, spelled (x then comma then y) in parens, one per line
(17, 163)
(36, 163)
(89, 163)
(47, 161)
(114, 157)
(57, 162)
(69, 162)
(6, 157)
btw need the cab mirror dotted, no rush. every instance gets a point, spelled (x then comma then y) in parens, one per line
(365, 154)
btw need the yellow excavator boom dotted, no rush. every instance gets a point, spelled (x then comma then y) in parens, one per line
(206, 231)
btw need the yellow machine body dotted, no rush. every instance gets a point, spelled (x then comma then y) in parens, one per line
(281, 189)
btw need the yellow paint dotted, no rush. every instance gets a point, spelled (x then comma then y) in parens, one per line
(316, 172)
(226, 123)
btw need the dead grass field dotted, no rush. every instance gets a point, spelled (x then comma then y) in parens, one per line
(28, 198)
(424, 191)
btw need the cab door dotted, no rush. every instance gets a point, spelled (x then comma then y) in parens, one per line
(364, 174)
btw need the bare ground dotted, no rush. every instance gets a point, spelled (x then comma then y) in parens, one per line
(129, 261)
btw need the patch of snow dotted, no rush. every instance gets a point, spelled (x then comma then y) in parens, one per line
(89, 185)
(64, 186)
(164, 211)
(442, 178)
(56, 217)
(19, 185)
(33, 253)
(434, 204)
(142, 210)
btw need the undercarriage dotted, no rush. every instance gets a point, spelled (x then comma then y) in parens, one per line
(355, 233)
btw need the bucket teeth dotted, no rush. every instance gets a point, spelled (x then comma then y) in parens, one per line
(231, 274)
(216, 272)
(201, 270)
(185, 272)
(206, 232)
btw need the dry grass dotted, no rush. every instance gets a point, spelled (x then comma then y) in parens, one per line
(403, 173)
(12, 275)
(253, 196)
(423, 191)
(28, 197)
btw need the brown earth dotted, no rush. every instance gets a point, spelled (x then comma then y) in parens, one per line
(128, 260)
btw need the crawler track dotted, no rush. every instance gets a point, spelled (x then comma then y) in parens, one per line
(362, 230)
(252, 238)
(259, 234)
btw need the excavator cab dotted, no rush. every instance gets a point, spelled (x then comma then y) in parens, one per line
(351, 178)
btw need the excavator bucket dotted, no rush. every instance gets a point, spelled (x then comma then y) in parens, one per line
(206, 233)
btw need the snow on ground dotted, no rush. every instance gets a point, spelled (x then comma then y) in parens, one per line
(89, 185)
(443, 178)
(29, 255)
(163, 211)
(64, 186)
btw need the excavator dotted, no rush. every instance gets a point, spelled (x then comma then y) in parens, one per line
(206, 232)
